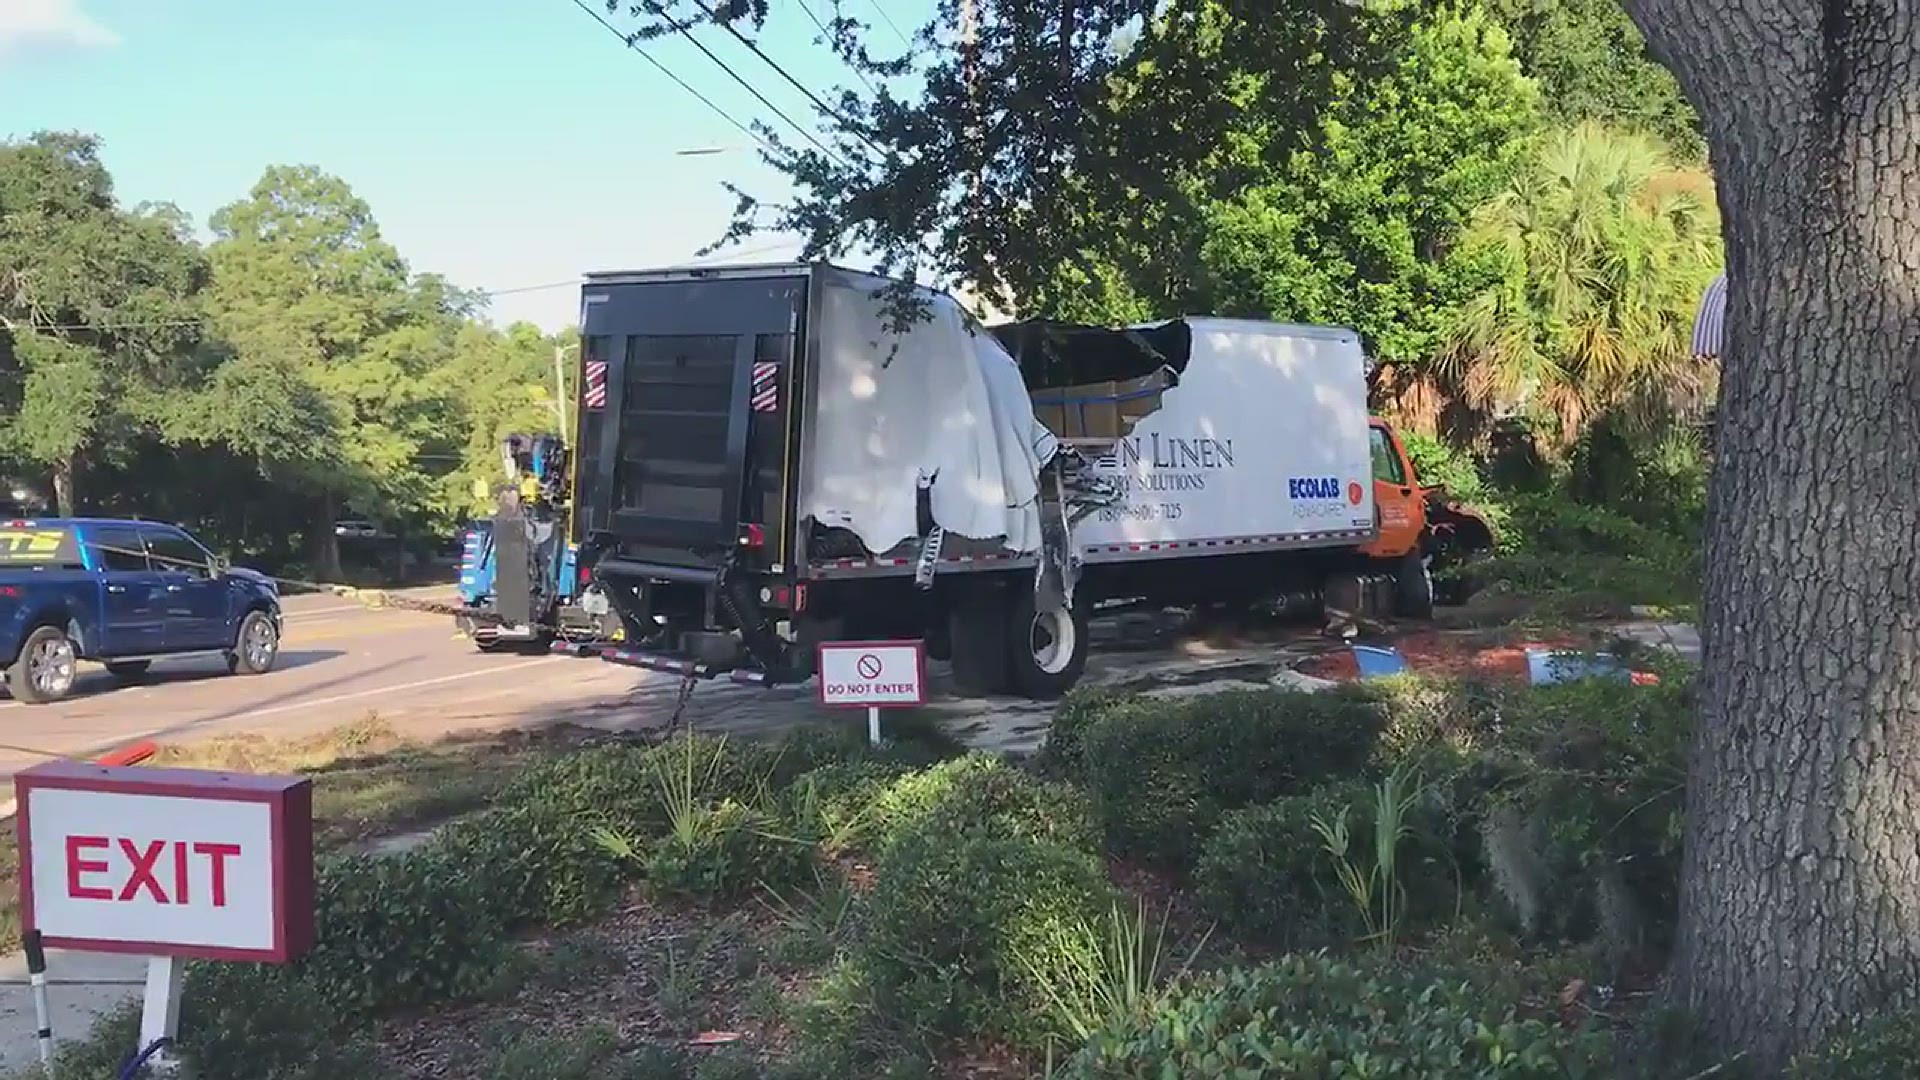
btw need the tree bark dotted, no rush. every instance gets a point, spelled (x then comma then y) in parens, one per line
(323, 544)
(1800, 894)
(63, 488)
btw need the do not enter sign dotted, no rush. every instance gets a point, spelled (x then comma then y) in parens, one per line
(872, 674)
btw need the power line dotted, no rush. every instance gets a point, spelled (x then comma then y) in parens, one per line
(895, 27)
(826, 110)
(804, 6)
(648, 57)
(751, 89)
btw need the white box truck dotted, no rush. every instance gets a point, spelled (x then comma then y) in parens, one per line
(769, 457)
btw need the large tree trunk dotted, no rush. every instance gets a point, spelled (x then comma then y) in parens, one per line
(323, 545)
(1800, 898)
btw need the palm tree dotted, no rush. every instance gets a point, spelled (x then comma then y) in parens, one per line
(1599, 254)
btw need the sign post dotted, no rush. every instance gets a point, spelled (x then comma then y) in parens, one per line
(872, 675)
(171, 864)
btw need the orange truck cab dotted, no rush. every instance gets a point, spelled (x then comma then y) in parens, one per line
(1422, 524)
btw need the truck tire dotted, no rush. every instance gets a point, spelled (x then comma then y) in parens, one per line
(977, 636)
(1046, 650)
(255, 646)
(1412, 587)
(45, 668)
(128, 670)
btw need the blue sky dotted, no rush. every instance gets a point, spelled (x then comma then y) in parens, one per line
(502, 143)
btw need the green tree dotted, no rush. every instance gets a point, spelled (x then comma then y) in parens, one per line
(1602, 250)
(1353, 222)
(98, 310)
(1593, 64)
(502, 383)
(334, 344)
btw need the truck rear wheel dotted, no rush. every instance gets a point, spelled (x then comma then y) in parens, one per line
(977, 636)
(1412, 587)
(1047, 649)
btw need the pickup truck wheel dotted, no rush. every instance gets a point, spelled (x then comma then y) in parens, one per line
(1047, 650)
(128, 670)
(256, 646)
(1412, 587)
(46, 667)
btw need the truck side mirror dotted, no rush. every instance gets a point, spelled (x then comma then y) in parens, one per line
(221, 564)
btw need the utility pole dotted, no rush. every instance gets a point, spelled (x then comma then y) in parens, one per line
(560, 388)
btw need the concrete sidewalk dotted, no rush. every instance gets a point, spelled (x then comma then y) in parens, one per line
(81, 988)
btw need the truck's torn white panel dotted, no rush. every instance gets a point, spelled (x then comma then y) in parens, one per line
(1265, 436)
(940, 399)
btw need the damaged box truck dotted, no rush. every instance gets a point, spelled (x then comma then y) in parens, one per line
(770, 457)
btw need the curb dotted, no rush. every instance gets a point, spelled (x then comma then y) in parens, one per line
(130, 754)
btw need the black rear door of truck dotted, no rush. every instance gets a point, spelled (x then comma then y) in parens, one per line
(684, 418)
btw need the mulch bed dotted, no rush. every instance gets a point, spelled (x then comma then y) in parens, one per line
(657, 972)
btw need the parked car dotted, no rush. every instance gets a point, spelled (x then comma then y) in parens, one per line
(124, 593)
(356, 529)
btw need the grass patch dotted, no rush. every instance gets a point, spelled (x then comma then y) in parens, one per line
(367, 782)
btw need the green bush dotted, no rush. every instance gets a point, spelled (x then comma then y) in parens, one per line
(618, 786)
(541, 868)
(1266, 874)
(981, 794)
(1163, 771)
(835, 806)
(1592, 556)
(257, 1022)
(1083, 708)
(411, 929)
(1881, 1048)
(807, 749)
(1309, 1018)
(1439, 463)
(1594, 774)
(958, 926)
(733, 850)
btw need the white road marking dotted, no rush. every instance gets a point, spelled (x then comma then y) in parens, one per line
(402, 687)
(337, 698)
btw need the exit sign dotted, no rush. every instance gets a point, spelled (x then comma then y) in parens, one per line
(167, 862)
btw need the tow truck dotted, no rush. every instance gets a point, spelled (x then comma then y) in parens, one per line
(521, 580)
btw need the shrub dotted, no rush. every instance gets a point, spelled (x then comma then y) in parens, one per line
(1313, 1017)
(619, 786)
(1439, 463)
(1266, 874)
(981, 794)
(734, 850)
(960, 926)
(1083, 708)
(808, 749)
(540, 868)
(834, 806)
(1585, 820)
(1880, 1048)
(1163, 771)
(247, 1021)
(401, 930)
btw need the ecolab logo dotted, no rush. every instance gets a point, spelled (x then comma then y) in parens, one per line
(1313, 487)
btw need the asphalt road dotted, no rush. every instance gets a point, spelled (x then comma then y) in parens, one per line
(339, 661)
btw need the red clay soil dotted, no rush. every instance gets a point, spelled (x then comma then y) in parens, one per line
(1428, 652)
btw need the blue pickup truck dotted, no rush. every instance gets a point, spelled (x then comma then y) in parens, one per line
(124, 593)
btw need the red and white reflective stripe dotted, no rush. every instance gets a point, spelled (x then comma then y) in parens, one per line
(594, 396)
(766, 387)
(1227, 542)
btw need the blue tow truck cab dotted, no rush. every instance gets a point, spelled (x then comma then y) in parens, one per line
(124, 593)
